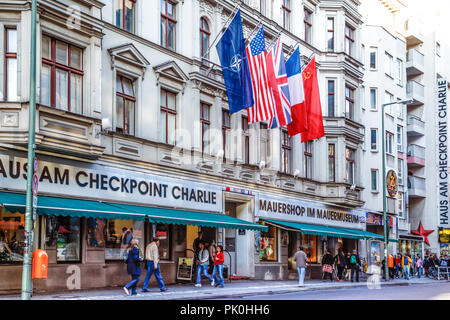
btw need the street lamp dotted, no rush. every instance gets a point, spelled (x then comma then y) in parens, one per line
(383, 147)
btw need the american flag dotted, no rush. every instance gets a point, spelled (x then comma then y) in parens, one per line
(264, 106)
(278, 80)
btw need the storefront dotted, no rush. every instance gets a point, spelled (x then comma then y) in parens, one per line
(444, 241)
(88, 213)
(411, 245)
(316, 226)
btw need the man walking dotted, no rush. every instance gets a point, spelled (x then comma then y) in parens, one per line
(406, 262)
(202, 265)
(152, 256)
(300, 259)
(355, 265)
(391, 266)
(196, 248)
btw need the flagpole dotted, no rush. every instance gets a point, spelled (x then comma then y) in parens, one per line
(253, 31)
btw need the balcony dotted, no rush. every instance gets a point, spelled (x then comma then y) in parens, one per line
(416, 156)
(416, 187)
(416, 127)
(413, 32)
(414, 63)
(415, 92)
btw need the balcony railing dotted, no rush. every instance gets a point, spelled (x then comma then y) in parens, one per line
(416, 156)
(416, 187)
(416, 127)
(416, 92)
(414, 63)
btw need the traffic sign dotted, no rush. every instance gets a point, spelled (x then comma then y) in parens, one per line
(35, 185)
(35, 165)
(34, 203)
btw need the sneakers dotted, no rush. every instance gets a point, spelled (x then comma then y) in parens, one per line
(217, 284)
(145, 290)
(162, 290)
(126, 291)
(212, 283)
(198, 285)
(136, 295)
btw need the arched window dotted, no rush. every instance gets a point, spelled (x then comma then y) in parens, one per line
(204, 38)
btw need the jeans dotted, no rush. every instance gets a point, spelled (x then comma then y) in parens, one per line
(133, 283)
(203, 269)
(301, 275)
(355, 270)
(406, 272)
(218, 268)
(157, 272)
(419, 271)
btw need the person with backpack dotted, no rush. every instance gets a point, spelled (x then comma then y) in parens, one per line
(327, 263)
(406, 263)
(202, 265)
(339, 261)
(152, 258)
(355, 265)
(133, 261)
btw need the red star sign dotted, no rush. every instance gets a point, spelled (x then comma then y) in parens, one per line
(422, 232)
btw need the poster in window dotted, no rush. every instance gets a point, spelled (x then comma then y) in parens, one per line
(184, 271)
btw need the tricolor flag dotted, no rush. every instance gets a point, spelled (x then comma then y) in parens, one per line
(264, 107)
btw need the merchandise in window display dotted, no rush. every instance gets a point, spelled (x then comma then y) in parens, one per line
(11, 236)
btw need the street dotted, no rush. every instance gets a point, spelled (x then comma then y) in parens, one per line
(430, 291)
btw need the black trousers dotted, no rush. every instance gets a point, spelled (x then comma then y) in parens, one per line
(326, 275)
(340, 271)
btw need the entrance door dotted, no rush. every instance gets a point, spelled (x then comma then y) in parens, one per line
(292, 249)
(230, 247)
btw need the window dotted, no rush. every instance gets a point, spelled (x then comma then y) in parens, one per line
(400, 138)
(349, 103)
(125, 14)
(168, 116)
(269, 245)
(331, 98)
(12, 236)
(286, 14)
(308, 26)
(10, 64)
(265, 142)
(399, 109)
(162, 231)
(61, 75)
(245, 140)
(388, 64)
(400, 204)
(204, 38)
(349, 39)
(309, 242)
(119, 234)
(168, 23)
(389, 142)
(373, 139)
(286, 152)
(400, 172)
(308, 160)
(330, 34)
(125, 106)
(96, 229)
(373, 99)
(64, 234)
(399, 72)
(226, 126)
(373, 58)
(332, 162)
(350, 165)
(388, 98)
(374, 180)
(262, 6)
(205, 121)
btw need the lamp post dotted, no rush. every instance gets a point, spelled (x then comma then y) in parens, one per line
(383, 147)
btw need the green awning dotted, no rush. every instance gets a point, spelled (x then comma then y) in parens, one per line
(172, 216)
(371, 235)
(15, 202)
(317, 229)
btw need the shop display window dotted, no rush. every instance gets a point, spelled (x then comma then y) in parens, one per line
(96, 229)
(64, 233)
(11, 236)
(162, 231)
(309, 242)
(118, 236)
(269, 245)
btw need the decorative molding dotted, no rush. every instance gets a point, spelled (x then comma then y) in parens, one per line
(171, 71)
(128, 54)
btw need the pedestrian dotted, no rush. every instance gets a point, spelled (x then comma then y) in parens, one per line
(348, 269)
(212, 251)
(406, 262)
(419, 265)
(152, 259)
(339, 261)
(133, 267)
(202, 265)
(391, 266)
(196, 248)
(301, 260)
(355, 265)
(398, 266)
(219, 259)
(327, 265)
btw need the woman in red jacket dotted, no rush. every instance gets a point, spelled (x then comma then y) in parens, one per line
(218, 266)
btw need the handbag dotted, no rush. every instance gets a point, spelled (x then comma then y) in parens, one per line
(327, 268)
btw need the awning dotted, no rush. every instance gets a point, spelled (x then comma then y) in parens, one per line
(15, 202)
(172, 216)
(317, 229)
(371, 235)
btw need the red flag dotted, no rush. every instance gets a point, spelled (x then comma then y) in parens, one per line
(314, 125)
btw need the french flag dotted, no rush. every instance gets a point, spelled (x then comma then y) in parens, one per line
(296, 95)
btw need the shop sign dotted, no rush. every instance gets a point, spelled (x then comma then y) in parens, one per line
(184, 271)
(391, 183)
(444, 235)
(302, 211)
(374, 219)
(442, 152)
(79, 179)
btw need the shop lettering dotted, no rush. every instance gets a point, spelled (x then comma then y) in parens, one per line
(442, 136)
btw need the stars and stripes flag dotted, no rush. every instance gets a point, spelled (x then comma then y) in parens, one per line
(264, 103)
(278, 81)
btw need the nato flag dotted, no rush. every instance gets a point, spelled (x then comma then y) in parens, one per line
(235, 69)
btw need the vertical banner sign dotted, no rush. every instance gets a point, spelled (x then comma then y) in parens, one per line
(442, 140)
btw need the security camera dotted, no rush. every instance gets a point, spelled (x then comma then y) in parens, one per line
(106, 124)
(219, 153)
(296, 173)
(261, 165)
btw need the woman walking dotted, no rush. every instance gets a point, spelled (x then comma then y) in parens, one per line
(219, 258)
(339, 261)
(327, 262)
(133, 267)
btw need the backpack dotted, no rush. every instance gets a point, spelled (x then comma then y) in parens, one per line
(353, 259)
(405, 261)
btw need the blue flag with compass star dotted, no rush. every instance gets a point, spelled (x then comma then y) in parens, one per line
(235, 69)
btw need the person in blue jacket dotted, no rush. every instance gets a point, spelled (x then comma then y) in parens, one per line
(133, 267)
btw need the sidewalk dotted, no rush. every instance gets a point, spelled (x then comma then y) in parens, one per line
(236, 288)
